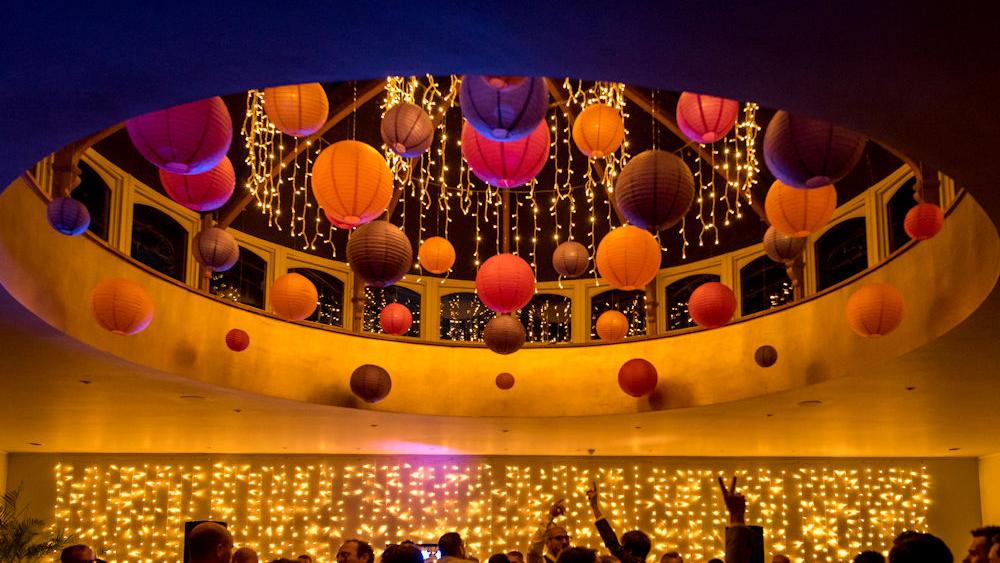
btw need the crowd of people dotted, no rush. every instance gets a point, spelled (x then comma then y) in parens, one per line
(209, 542)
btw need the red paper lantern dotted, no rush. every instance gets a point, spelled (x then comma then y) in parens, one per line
(237, 340)
(923, 221)
(121, 306)
(293, 297)
(186, 139)
(68, 216)
(505, 283)
(503, 108)
(505, 381)
(407, 130)
(875, 310)
(808, 153)
(654, 190)
(712, 305)
(706, 119)
(506, 164)
(206, 191)
(298, 110)
(395, 319)
(571, 259)
(637, 377)
(215, 249)
(371, 383)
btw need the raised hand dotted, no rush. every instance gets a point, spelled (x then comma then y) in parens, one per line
(736, 503)
(558, 509)
(594, 498)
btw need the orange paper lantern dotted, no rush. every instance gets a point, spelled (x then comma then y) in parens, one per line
(436, 255)
(799, 212)
(599, 130)
(875, 310)
(628, 258)
(637, 377)
(612, 326)
(121, 306)
(395, 319)
(712, 305)
(923, 221)
(237, 340)
(293, 297)
(297, 109)
(505, 283)
(351, 182)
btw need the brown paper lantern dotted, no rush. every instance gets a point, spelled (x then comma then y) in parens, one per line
(215, 249)
(121, 306)
(298, 110)
(571, 259)
(654, 190)
(804, 152)
(407, 130)
(637, 377)
(504, 381)
(599, 130)
(436, 255)
(371, 383)
(628, 258)
(351, 182)
(504, 334)
(380, 253)
(765, 356)
(293, 297)
(612, 326)
(875, 310)
(796, 212)
(781, 247)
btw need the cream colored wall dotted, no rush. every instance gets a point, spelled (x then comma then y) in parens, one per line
(3, 471)
(989, 486)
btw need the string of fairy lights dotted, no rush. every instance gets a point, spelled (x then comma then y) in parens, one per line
(136, 512)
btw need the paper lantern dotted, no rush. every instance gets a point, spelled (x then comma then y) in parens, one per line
(371, 383)
(121, 306)
(654, 190)
(206, 191)
(637, 377)
(351, 182)
(571, 259)
(379, 253)
(503, 108)
(798, 213)
(395, 319)
(337, 223)
(437, 255)
(765, 356)
(599, 130)
(808, 153)
(505, 283)
(215, 249)
(505, 381)
(612, 326)
(298, 110)
(504, 334)
(781, 247)
(186, 139)
(293, 297)
(923, 221)
(407, 130)
(712, 305)
(628, 258)
(68, 216)
(509, 164)
(706, 119)
(875, 310)
(237, 340)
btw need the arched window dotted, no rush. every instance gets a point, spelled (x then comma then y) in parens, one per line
(676, 297)
(463, 317)
(330, 310)
(764, 284)
(548, 318)
(841, 252)
(631, 303)
(244, 282)
(899, 204)
(159, 242)
(95, 194)
(376, 298)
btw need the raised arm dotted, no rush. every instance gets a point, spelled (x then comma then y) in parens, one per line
(536, 554)
(603, 526)
(744, 544)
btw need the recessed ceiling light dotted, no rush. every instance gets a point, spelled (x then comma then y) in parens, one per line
(953, 449)
(910, 388)
(373, 425)
(86, 381)
(34, 444)
(237, 410)
(810, 403)
(505, 429)
(770, 414)
(192, 397)
(637, 427)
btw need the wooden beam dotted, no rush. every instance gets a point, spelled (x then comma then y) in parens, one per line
(66, 161)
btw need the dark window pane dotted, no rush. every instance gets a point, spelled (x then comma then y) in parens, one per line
(548, 318)
(631, 303)
(463, 317)
(899, 204)
(677, 295)
(765, 284)
(244, 282)
(96, 196)
(841, 252)
(376, 298)
(330, 309)
(159, 242)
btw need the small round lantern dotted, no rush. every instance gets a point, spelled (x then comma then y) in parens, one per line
(206, 191)
(298, 110)
(237, 340)
(712, 304)
(351, 182)
(371, 383)
(505, 283)
(612, 326)
(628, 258)
(436, 255)
(781, 247)
(506, 164)
(654, 190)
(504, 381)
(765, 356)
(798, 213)
(875, 310)
(706, 119)
(504, 334)
(637, 377)
(599, 130)
(923, 221)
(380, 253)
(395, 319)
(293, 297)
(502, 108)
(186, 139)
(808, 153)
(571, 259)
(407, 130)
(68, 216)
(121, 306)
(215, 249)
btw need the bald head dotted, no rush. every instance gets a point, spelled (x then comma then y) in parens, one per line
(245, 555)
(78, 553)
(210, 543)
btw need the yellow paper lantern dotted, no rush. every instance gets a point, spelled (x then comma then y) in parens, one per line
(628, 258)
(799, 212)
(612, 326)
(599, 130)
(298, 110)
(351, 182)
(293, 297)
(437, 255)
(875, 310)
(121, 306)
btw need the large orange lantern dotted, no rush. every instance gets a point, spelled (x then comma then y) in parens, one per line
(121, 306)
(875, 310)
(923, 221)
(628, 258)
(505, 283)
(351, 182)
(186, 139)
(712, 305)
(637, 377)
(293, 297)
(436, 255)
(297, 109)
(612, 326)
(798, 212)
(599, 130)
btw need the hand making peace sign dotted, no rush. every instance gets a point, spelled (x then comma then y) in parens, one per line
(736, 503)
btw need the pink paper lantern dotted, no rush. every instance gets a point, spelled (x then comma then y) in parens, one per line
(504, 108)
(508, 164)
(206, 191)
(706, 119)
(395, 319)
(712, 305)
(186, 139)
(505, 283)
(808, 153)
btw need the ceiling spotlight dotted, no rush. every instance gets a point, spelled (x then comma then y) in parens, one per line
(192, 397)
(810, 403)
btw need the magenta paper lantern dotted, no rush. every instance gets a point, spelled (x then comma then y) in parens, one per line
(186, 139)
(206, 191)
(68, 216)
(395, 319)
(706, 119)
(215, 249)
(804, 152)
(504, 110)
(509, 164)
(505, 283)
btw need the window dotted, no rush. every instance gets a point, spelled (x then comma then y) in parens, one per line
(330, 310)
(376, 298)
(676, 297)
(764, 284)
(631, 303)
(841, 252)
(463, 317)
(159, 242)
(548, 318)
(244, 282)
(95, 194)
(899, 204)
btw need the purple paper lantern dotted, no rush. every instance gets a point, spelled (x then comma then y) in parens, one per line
(68, 216)
(215, 249)
(507, 113)
(808, 153)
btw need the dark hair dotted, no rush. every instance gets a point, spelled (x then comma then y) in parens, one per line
(402, 554)
(903, 536)
(920, 548)
(282, 560)
(515, 552)
(715, 560)
(498, 558)
(577, 555)
(869, 557)
(988, 532)
(363, 549)
(206, 537)
(671, 555)
(637, 543)
(69, 555)
(450, 544)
